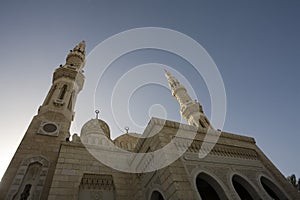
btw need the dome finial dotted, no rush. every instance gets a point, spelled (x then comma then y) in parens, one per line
(97, 113)
(126, 129)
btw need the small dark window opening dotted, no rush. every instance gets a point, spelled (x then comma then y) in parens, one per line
(202, 124)
(26, 192)
(63, 92)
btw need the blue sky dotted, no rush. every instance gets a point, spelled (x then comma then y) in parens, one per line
(255, 45)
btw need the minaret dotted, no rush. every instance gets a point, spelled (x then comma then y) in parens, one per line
(67, 83)
(29, 174)
(190, 110)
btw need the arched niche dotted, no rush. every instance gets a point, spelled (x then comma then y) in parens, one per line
(209, 188)
(271, 189)
(29, 179)
(244, 189)
(156, 195)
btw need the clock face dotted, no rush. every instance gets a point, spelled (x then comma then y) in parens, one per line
(49, 128)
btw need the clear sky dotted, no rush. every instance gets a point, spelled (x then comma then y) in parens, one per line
(255, 45)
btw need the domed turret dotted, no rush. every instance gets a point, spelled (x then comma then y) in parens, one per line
(95, 127)
(127, 141)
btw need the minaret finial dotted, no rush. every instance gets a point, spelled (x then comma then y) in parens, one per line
(97, 113)
(167, 74)
(126, 129)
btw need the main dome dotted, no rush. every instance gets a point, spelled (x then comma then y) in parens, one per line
(95, 126)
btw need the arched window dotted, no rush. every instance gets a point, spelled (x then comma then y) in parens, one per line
(243, 188)
(63, 92)
(273, 191)
(209, 188)
(32, 172)
(30, 181)
(50, 94)
(156, 196)
(70, 104)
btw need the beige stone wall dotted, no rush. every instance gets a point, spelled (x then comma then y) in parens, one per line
(34, 145)
(74, 160)
(233, 155)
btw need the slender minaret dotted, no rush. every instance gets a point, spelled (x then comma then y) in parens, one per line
(29, 174)
(67, 83)
(190, 110)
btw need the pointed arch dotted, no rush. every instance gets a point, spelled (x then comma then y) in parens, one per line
(156, 195)
(272, 189)
(209, 188)
(244, 188)
(32, 170)
(29, 183)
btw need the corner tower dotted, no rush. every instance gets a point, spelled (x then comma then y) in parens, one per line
(190, 110)
(30, 172)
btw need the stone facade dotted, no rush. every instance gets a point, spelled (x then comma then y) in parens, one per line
(49, 165)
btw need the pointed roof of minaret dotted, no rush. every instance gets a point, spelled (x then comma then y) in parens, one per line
(167, 74)
(80, 47)
(77, 52)
(172, 80)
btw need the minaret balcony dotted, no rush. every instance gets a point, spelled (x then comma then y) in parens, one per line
(67, 72)
(58, 102)
(190, 109)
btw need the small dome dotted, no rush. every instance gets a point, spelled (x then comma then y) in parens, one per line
(95, 126)
(127, 141)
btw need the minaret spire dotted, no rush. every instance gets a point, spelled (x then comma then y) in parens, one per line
(67, 82)
(190, 109)
(76, 57)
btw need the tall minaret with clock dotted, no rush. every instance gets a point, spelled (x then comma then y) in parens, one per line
(29, 174)
(190, 110)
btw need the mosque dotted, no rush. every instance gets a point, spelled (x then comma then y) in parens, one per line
(169, 161)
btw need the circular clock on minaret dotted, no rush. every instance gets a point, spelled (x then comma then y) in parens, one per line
(49, 128)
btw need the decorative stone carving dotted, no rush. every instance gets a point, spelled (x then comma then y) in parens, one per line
(97, 187)
(97, 182)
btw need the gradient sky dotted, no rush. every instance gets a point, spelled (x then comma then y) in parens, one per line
(255, 44)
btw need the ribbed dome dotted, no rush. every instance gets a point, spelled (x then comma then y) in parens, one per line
(127, 141)
(95, 126)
